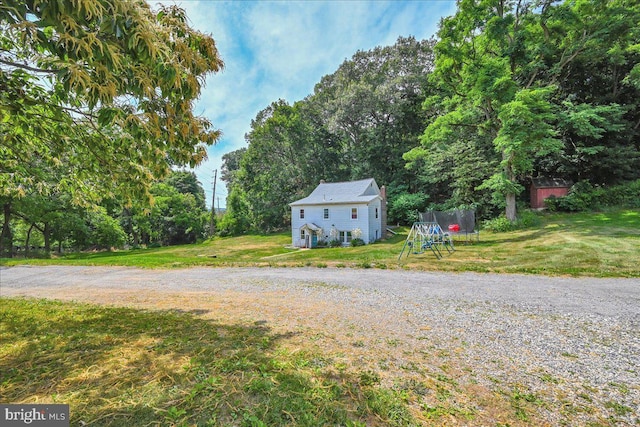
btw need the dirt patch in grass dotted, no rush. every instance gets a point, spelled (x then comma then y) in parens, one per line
(374, 369)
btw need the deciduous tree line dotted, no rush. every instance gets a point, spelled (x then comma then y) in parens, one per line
(511, 89)
(45, 223)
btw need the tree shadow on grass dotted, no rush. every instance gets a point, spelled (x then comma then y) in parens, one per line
(127, 367)
(523, 236)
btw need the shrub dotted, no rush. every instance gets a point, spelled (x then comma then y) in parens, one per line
(405, 208)
(580, 198)
(357, 242)
(583, 196)
(501, 224)
(623, 195)
(335, 243)
(527, 219)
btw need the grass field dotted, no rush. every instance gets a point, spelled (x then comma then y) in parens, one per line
(585, 244)
(119, 366)
(129, 367)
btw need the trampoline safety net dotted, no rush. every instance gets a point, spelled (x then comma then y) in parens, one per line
(465, 219)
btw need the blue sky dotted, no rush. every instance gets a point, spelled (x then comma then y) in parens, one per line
(281, 49)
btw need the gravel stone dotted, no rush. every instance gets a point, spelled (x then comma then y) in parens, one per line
(573, 342)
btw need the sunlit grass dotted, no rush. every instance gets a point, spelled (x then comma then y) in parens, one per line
(585, 244)
(129, 367)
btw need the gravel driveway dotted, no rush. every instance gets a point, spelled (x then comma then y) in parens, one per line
(570, 346)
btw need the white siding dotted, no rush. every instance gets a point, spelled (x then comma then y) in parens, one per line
(296, 223)
(340, 218)
(375, 224)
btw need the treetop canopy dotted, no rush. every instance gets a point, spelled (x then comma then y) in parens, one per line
(96, 96)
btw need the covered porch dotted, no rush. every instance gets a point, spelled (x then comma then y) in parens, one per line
(309, 235)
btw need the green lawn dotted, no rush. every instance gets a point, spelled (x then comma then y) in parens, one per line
(119, 366)
(130, 367)
(585, 244)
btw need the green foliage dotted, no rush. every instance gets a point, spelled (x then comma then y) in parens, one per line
(176, 218)
(583, 196)
(622, 195)
(335, 243)
(526, 131)
(231, 162)
(187, 183)
(357, 242)
(96, 105)
(500, 185)
(106, 231)
(178, 215)
(549, 84)
(580, 198)
(272, 173)
(405, 208)
(501, 224)
(102, 91)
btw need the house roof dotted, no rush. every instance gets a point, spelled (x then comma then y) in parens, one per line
(311, 226)
(328, 193)
(542, 182)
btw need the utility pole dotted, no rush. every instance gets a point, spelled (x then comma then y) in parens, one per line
(212, 222)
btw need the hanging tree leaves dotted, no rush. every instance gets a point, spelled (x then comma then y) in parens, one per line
(102, 91)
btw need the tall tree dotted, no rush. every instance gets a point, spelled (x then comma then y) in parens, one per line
(231, 166)
(526, 133)
(104, 88)
(357, 123)
(593, 46)
(272, 169)
(371, 105)
(186, 182)
(502, 68)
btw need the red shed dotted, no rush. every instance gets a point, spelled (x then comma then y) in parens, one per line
(542, 188)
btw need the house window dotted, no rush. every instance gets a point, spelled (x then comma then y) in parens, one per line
(301, 213)
(302, 235)
(325, 213)
(354, 213)
(376, 213)
(345, 236)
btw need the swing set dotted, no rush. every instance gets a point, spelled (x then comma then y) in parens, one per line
(427, 236)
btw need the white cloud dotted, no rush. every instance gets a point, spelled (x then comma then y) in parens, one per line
(281, 49)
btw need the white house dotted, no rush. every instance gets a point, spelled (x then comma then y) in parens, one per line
(339, 210)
